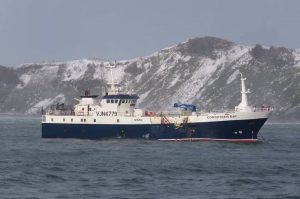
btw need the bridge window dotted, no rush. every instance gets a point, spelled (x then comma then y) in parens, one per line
(64, 119)
(107, 101)
(81, 120)
(51, 119)
(116, 101)
(71, 119)
(118, 120)
(84, 120)
(94, 120)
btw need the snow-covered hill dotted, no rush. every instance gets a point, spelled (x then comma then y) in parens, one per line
(204, 71)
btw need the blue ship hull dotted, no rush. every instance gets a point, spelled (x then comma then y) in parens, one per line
(234, 130)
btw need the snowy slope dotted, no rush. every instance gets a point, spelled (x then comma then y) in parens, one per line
(204, 71)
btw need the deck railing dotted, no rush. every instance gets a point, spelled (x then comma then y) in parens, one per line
(69, 111)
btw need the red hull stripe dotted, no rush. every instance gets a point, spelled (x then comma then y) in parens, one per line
(210, 139)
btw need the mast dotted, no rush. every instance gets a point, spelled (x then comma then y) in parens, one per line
(243, 106)
(112, 83)
(244, 92)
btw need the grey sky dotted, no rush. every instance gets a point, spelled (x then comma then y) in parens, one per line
(38, 30)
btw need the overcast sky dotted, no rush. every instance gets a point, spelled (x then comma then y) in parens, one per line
(39, 30)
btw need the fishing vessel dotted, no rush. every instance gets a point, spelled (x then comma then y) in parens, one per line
(115, 115)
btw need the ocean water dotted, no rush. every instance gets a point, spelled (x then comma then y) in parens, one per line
(32, 167)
